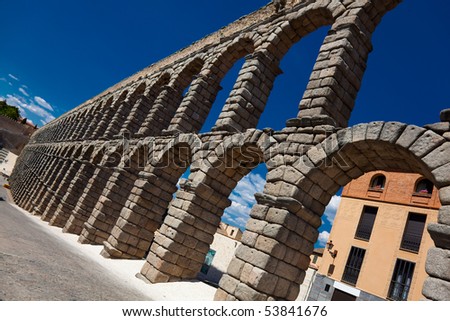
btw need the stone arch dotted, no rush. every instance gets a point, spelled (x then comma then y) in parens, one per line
(114, 195)
(124, 109)
(169, 100)
(194, 110)
(181, 243)
(87, 153)
(134, 230)
(337, 75)
(294, 27)
(95, 117)
(109, 110)
(81, 127)
(105, 158)
(142, 107)
(249, 95)
(295, 202)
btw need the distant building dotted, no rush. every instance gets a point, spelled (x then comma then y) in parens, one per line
(230, 231)
(378, 243)
(311, 272)
(226, 240)
(14, 135)
(221, 252)
(7, 161)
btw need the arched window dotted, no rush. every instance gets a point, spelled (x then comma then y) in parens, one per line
(424, 187)
(377, 182)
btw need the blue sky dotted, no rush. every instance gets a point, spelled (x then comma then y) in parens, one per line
(56, 54)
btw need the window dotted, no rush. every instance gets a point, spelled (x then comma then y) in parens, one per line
(412, 236)
(378, 182)
(353, 266)
(424, 187)
(315, 259)
(401, 280)
(366, 222)
(208, 261)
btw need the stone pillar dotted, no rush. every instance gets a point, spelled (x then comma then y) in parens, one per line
(118, 119)
(89, 198)
(338, 72)
(106, 113)
(162, 112)
(137, 115)
(95, 119)
(22, 180)
(54, 182)
(270, 263)
(180, 246)
(47, 173)
(140, 218)
(250, 93)
(60, 192)
(107, 210)
(72, 197)
(195, 108)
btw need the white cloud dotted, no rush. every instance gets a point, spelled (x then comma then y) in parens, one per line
(23, 91)
(242, 199)
(3, 79)
(13, 77)
(331, 209)
(43, 103)
(26, 105)
(323, 238)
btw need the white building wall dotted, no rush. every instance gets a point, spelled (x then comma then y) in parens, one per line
(306, 286)
(225, 247)
(7, 165)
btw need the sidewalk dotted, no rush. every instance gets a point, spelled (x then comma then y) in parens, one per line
(124, 271)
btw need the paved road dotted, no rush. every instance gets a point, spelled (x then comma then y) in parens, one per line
(35, 266)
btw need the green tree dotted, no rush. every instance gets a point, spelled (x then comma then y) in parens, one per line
(9, 111)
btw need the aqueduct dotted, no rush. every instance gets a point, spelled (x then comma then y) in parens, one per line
(107, 170)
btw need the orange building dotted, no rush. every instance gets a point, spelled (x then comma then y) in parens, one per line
(378, 243)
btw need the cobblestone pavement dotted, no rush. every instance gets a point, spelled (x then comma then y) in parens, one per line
(34, 266)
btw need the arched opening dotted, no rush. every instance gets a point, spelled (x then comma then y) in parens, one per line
(195, 214)
(115, 194)
(226, 86)
(142, 106)
(286, 94)
(424, 187)
(148, 203)
(70, 189)
(233, 224)
(297, 201)
(109, 111)
(110, 156)
(377, 182)
(224, 75)
(170, 99)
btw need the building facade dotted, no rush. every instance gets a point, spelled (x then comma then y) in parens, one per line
(7, 161)
(378, 244)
